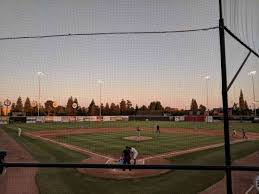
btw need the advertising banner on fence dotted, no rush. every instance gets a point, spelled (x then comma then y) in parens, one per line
(57, 118)
(209, 119)
(40, 119)
(179, 118)
(106, 118)
(64, 119)
(31, 119)
(119, 118)
(49, 119)
(72, 118)
(79, 118)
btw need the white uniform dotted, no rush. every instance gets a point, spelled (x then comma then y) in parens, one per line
(134, 152)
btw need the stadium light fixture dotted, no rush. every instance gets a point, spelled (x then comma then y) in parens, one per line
(252, 73)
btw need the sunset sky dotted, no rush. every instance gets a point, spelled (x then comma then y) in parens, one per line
(166, 67)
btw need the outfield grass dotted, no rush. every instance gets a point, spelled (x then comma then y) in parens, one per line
(70, 181)
(252, 127)
(113, 143)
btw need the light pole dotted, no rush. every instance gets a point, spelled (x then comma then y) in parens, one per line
(207, 97)
(100, 82)
(252, 73)
(39, 83)
(207, 78)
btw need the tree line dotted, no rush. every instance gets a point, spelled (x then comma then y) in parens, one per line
(124, 107)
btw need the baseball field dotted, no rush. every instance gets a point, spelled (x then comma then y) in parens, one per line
(103, 142)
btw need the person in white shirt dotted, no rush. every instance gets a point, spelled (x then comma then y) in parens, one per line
(134, 153)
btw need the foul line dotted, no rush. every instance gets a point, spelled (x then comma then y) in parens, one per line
(182, 152)
(69, 146)
(250, 189)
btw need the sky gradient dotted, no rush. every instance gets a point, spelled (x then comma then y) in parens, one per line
(166, 67)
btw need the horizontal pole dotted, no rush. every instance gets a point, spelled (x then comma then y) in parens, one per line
(240, 41)
(118, 166)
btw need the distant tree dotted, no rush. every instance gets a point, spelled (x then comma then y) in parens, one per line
(130, 109)
(13, 108)
(84, 111)
(106, 109)
(159, 105)
(136, 109)
(60, 111)
(241, 101)
(235, 109)
(92, 109)
(194, 106)
(202, 109)
(102, 109)
(19, 105)
(28, 107)
(168, 109)
(117, 110)
(1, 109)
(123, 107)
(49, 109)
(69, 108)
(128, 104)
(143, 108)
(243, 107)
(75, 109)
(246, 111)
(152, 106)
(155, 105)
(34, 111)
(112, 109)
(78, 111)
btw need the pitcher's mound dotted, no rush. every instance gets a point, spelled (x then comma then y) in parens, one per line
(137, 138)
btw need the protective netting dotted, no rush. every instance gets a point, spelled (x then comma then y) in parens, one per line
(242, 18)
(82, 80)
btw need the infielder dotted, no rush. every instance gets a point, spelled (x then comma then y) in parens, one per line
(157, 129)
(234, 133)
(138, 131)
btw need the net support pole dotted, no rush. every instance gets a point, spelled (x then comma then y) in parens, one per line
(225, 99)
(240, 68)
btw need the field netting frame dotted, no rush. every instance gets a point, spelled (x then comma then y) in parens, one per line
(228, 167)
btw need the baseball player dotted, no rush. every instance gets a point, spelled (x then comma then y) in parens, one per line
(126, 157)
(157, 129)
(134, 153)
(234, 133)
(138, 131)
(244, 133)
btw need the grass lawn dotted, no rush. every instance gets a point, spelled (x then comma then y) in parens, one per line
(252, 127)
(70, 181)
(113, 143)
